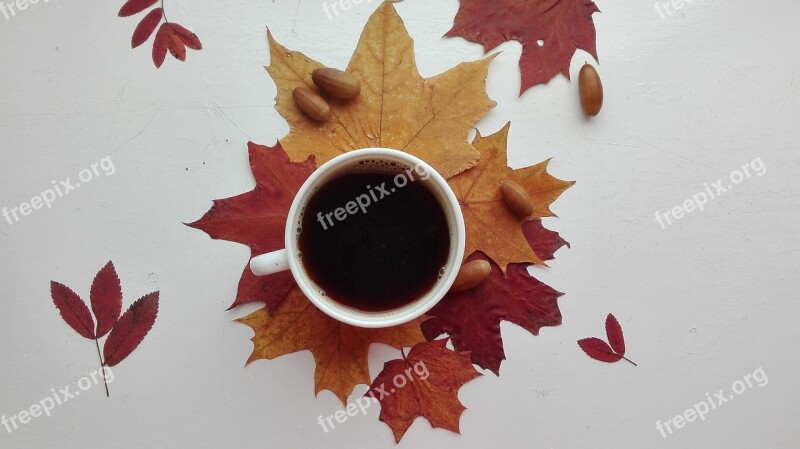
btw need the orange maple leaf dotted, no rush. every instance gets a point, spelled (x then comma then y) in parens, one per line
(431, 376)
(340, 350)
(491, 227)
(429, 118)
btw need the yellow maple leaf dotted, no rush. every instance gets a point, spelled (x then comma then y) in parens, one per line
(340, 350)
(429, 118)
(491, 227)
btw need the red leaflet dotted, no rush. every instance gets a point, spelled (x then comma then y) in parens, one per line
(73, 310)
(160, 45)
(472, 318)
(600, 350)
(131, 329)
(549, 31)
(543, 241)
(614, 334)
(425, 383)
(175, 45)
(258, 218)
(132, 7)
(146, 27)
(106, 299)
(187, 37)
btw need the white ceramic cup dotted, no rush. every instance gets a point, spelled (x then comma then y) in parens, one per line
(365, 160)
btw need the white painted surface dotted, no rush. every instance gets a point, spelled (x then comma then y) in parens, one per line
(704, 302)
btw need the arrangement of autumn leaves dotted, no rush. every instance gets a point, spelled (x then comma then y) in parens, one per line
(430, 118)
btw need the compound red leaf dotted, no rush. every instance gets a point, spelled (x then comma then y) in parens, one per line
(550, 31)
(131, 329)
(132, 7)
(160, 44)
(187, 37)
(258, 218)
(106, 299)
(431, 376)
(472, 318)
(543, 241)
(614, 333)
(146, 27)
(72, 309)
(598, 350)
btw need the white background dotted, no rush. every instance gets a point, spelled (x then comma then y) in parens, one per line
(704, 302)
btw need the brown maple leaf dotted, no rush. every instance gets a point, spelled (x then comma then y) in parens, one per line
(258, 219)
(424, 383)
(491, 227)
(549, 30)
(397, 108)
(472, 318)
(340, 350)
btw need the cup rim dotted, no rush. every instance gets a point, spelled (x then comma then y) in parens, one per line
(423, 304)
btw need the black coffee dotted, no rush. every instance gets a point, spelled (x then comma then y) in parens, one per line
(371, 244)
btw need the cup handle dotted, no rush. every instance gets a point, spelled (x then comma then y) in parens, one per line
(270, 263)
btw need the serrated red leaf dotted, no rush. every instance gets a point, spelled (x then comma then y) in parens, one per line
(187, 37)
(106, 299)
(431, 377)
(614, 333)
(543, 241)
(160, 45)
(72, 309)
(175, 45)
(131, 329)
(562, 26)
(258, 219)
(132, 7)
(146, 27)
(598, 350)
(472, 318)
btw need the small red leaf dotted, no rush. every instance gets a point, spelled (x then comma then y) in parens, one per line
(73, 310)
(160, 44)
(146, 27)
(176, 46)
(598, 350)
(106, 299)
(131, 329)
(615, 336)
(132, 7)
(187, 37)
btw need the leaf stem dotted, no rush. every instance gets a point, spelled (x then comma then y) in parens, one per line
(163, 11)
(629, 360)
(102, 364)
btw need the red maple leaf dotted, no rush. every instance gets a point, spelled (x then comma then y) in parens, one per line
(472, 318)
(258, 219)
(610, 352)
(424, 383)
(549, 30)
(543, 241)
